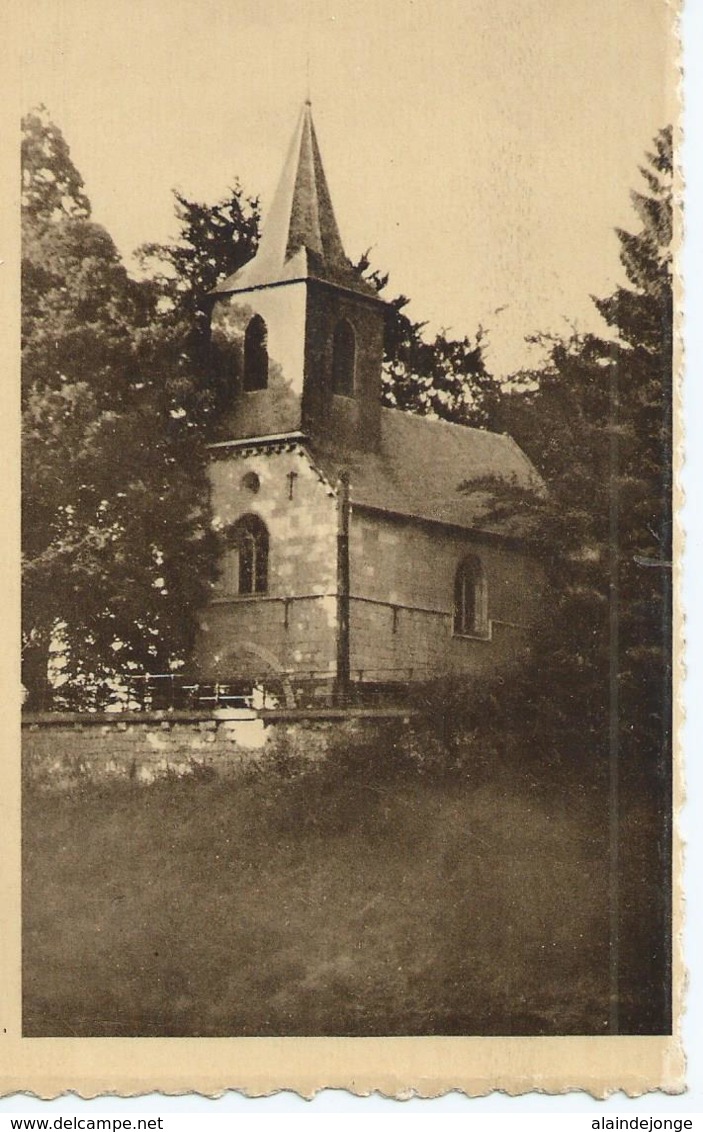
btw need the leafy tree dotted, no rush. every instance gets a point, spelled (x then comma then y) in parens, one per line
(52, 187)
(116, 555)
(561, 418)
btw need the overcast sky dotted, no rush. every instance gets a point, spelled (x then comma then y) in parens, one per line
(484, 149)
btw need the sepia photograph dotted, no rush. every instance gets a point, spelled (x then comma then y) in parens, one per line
(348, 340)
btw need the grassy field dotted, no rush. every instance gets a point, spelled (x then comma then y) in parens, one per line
(316, 900)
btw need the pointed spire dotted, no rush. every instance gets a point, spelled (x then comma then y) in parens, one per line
(313, 224)
(300, 236)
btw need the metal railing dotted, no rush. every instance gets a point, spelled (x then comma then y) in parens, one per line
(269, 689)
(263, 690)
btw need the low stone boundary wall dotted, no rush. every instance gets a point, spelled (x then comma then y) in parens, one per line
(61, 751)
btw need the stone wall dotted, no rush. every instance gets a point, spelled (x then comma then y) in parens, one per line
(402, 576)
(402, 579)
(336, 422)
(277, 408)
(292, 627)
(63, 752)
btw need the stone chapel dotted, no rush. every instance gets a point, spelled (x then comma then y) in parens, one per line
(353, 553)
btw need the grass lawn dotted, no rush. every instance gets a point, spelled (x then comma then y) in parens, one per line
(316, 903)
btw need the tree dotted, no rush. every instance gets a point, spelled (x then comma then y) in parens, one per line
(116, 550)
(214, 241)
(560, 417)
(52, 187)
(641, 509)
(597, 422)
(445, 377)
(640, 606)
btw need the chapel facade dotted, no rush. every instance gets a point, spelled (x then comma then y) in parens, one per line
(354, 551)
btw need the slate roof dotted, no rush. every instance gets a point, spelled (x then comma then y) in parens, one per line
(300, 237)
(421, 466)
(419, 471)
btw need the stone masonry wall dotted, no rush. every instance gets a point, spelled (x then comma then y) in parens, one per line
(64, 753)
(292, 627)
(277, 408)
(402, 585)
(336, 422)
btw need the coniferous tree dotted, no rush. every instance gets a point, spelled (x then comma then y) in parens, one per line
(596, 422)
(444, 377)
(52, 187)
(641, 315)
(213, 242)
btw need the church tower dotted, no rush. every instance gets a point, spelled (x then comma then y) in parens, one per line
(297, 332)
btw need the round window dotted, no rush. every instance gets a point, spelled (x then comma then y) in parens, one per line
(251, 482)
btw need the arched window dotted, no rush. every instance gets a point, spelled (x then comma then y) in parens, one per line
(343, 358)
(247, 558)
(256, 355)
(470, 599)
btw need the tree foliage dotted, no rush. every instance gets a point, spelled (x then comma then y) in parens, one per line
(597, 423)
(214, 241)
(444, 377)
(52, 187)
(116, 554)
